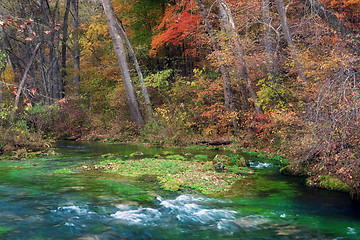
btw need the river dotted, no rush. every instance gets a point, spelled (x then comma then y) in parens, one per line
(37, 204)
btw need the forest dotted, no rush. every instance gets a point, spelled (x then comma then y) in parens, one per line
(274, 76)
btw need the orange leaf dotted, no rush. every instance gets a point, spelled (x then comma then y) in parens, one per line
(57, 26)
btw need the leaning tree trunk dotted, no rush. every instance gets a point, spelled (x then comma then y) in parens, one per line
(333, 22)
(229, 24)
(293, 49)
(228, 94)
(328, 16)
(23, 80)
(121, 56)
(138, 70)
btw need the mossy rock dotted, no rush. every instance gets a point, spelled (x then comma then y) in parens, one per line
(175, 157)
(170, 184)
(136, 154)
(332, 183)
(231, 160)
(329, 183)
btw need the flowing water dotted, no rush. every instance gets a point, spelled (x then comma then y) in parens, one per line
(37, 204)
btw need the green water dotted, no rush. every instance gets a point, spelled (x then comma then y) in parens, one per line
(35, 203)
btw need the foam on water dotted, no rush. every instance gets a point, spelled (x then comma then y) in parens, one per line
(260, 165)
(144, 216)
(184, 209)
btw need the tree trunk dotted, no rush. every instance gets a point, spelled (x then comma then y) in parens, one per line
(228, 94)
(268, 41)
(333, 22)
(228, 21)
(293, 49)
(75, 10)
(23, 80)
(64, 39)
(54, 81)
(138, 70)
(328, 16)
(121, 56)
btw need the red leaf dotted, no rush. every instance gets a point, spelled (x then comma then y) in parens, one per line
(9, 19)
(33, 91)
(46, 32)
(29, 22)
(28, 39)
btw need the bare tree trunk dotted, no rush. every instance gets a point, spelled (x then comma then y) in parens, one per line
(121, 56)
(55, 84)
(333, 22)
(23, 80)
(268, 41)
(75, 9)
(234, 36)
(228, 94)
(138, 70)
(65, 38)
(328, 16)
(293, 49)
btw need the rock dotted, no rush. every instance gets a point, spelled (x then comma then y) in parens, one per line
(219, 167)
(136, 154)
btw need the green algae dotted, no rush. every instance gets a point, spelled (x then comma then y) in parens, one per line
(4, 230)
(175, 173)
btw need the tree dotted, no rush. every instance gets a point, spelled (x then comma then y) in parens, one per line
(293, 49)
(351, 12)
(22, 83)
(138, 70)
(121, 56)
(228, 22)
(228, 94)
(76, 51)
(65, 38)
(268, 41)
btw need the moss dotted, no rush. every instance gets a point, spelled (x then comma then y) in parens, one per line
(287, 171)
(63, 171)
(332, 183)
(4, 230)
(176, 157)
(174, 174)
(329, 183)
(201, 157)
